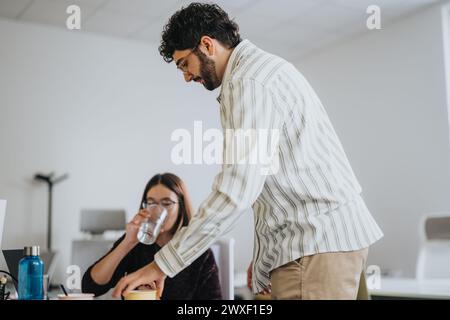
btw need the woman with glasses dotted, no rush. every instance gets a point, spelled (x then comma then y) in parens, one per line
(198, 281)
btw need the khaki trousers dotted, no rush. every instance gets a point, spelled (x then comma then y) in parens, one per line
(324, 276)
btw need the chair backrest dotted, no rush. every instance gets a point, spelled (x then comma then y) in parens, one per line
(97, 221)
(86, 252)
(223, 251)
(434, 256)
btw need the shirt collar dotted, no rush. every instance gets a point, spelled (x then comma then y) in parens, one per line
(233, 62)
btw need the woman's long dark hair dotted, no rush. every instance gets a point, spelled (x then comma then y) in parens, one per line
(176, 185)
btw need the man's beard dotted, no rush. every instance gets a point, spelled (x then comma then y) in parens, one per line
(208, 71)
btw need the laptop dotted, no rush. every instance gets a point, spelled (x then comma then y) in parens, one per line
(12, 257)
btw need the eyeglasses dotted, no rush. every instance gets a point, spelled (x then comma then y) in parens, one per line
(183, 65)
(165, 203)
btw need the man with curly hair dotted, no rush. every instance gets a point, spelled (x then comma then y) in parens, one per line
(312, 227)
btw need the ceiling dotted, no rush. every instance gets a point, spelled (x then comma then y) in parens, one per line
(292, 28)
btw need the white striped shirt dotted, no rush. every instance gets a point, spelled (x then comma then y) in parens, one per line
(311, 205)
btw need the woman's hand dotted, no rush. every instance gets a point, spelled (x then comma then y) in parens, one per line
(133, 226)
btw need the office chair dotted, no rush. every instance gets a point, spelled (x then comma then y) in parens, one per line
(223, 251)
(434, 256)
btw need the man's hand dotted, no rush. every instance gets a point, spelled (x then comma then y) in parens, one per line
(267, 290)
(250, 275)
(148, 275)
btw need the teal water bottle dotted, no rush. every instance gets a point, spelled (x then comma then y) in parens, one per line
(31, 275)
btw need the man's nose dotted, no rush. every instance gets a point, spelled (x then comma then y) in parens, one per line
(188, 76)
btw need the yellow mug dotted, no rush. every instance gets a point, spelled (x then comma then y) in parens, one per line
(142, 295)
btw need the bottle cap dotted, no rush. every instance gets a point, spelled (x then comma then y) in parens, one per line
(31, 251)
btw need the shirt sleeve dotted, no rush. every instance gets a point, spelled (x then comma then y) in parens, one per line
(250, 113)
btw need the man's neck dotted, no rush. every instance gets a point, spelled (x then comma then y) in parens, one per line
(223, 66)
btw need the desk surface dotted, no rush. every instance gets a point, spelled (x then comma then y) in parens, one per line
(412, 288)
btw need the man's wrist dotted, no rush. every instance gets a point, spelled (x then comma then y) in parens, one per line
(169, 261)
(159, 270)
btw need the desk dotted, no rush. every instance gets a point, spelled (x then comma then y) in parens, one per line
(409, 288)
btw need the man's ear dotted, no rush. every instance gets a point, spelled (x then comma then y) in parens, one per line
(208, 45)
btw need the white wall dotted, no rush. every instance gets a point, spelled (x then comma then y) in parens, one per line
(101, 109)
(385, 93)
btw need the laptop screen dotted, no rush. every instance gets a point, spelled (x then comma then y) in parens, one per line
(12, 257)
